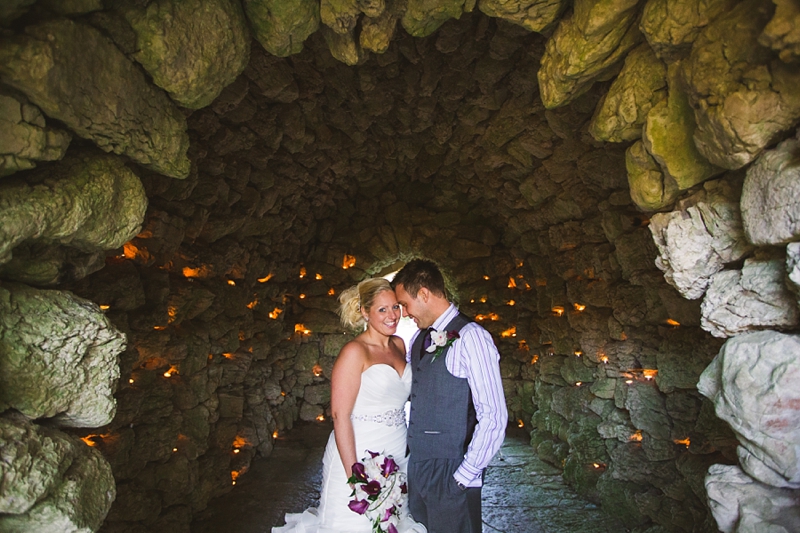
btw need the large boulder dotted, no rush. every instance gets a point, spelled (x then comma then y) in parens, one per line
(76, 75)
(742, 96)
(753, 384)
(754, 297)
(25, 138)
(697, 239)
(650, 189)
(741, 504)
(534, 15)
(423, 17)
(92, 202)
(191, 48)
(282, 26)
(641, 84)
(58, 357)
(377, 31)
(667, 135)
(771, 196)
(783, 31)
(587, 46)
(671, 27)
(55, 483)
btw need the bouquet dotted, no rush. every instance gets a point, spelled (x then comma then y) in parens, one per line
(379, 491)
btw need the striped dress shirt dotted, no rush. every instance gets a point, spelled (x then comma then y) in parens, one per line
(474, 357)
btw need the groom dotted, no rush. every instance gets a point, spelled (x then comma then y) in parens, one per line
(458, 411)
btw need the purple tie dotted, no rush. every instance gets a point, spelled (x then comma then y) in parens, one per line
(426, 342)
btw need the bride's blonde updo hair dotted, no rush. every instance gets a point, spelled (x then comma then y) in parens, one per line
(360, 297)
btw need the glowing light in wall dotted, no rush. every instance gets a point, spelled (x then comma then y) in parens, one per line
(266, 278)
(303, 272)
(511, 283)
(349, 261)
(301, 329)
(557, 310)
(275, 313)
(510, 332)
(579, 307)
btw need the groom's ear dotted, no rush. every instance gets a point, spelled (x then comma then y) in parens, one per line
(424, 294)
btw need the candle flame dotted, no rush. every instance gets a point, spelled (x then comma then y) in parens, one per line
(489, 316)
(349, 261)
(303, 272)
(557, 310)
(300, 328)
(636, 437)
(320, 418)
(686, 442)
(317, 370)
(578, 383)
(579, 307)
(520, 423)
(302, 296)
(578, 353)
(104, 307)
(275, 313)
(510, 332)
(673, 323)
(511, 302)
(159, 328)
(199, 272)
(252, 304)
(275, 434)
(331, 291)
(231, 283)
(649, 374)
(512, 284)
(486, 277)
(534, 359)
(604, 359)
(318, 276)
(266, 278)
(171, 372)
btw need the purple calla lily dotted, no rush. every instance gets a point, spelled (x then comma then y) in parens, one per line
(358, 506)
(403, 489)
(388, 513)
(373, 488)
(389, 467)
(391, 529)
(359, 473)
(373, 454)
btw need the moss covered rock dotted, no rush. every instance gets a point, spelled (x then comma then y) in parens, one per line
(423, 17)
(281, 26)
(650, 189)
(534, 15)
(77, 75)
(191, 48)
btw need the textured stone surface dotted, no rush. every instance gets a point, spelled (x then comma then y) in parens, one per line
(667, 136)
(753, 384)
(585, 47)
(650, 189)
(783, 31)
(754, 297)
(377, 32)
(771, 196)
(743, 98)
(534, 15)
(50, 64)
(13, 9)
(25, 138)
(191, 49)
(91, 202)
(641, 84)
(671, 27)
(696, 240)
(423, 17)
(743, 505)
(282, 26)
(79, 497)
(793, 267)
(58, 357)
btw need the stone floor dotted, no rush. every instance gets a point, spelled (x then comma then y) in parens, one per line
(522, 494)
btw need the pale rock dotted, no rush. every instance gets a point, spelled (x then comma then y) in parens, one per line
(753, 384)
(771, 196)
(282, 26)
(696, 240)
(534, 15)
(586, 47)
(641, 84)
(75, 74)
(793, 268)
(742, 96)
(192, 48)
(58, 357)
(671, 27)
(741, 504)
(754, 297)
(783, 31)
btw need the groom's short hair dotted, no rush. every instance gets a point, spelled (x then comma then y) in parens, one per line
(420, 273)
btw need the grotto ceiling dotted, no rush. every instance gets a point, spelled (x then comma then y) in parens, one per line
(187, 186)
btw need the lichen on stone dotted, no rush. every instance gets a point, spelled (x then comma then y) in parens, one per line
(423, 17)
(650, 189)
(534, 15)
(783, 31)
(282, 26)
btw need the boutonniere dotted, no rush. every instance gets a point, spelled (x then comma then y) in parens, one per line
(440, 341)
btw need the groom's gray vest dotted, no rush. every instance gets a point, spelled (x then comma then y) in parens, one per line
(442, 416)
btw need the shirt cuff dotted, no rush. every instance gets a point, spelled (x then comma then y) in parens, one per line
(468, 475)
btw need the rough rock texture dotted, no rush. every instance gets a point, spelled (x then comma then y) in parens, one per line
(65, 485)
(50, 64)
(192, 49)
(13, 9)
(25, 138)
(671, 27)
(423, 17)
(587, 46)
(697, 239)
(282, 26)
(743, 97)
(753, 384)
(754, 297)
(58, 357)
(667, 135)
(771, 196)
(92, 202)
(650, 190)
(783, 31)
(72, 7)
(377, 32)
(339, 15)
(641, 84)
(742, 505)
(534, 15)
(343, 46)
(793, 267)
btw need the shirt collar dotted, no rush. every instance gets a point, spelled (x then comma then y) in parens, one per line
(445, 318)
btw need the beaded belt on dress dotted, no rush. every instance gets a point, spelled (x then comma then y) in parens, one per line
(395, 417)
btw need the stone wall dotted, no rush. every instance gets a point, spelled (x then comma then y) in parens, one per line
(526, 151)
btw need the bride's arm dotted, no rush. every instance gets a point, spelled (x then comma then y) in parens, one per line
(345, 382)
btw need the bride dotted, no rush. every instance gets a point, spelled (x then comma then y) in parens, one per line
(370, 384)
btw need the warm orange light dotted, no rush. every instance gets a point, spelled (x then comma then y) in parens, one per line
(578, 353)
(131, 251)
(636, 437)
(252, 304)
(199, 272)
(579, 307)
(275, 313)
(510, 332)
(171, 372)
(483, 299)
(598, 466)
(174, 450)
(604, 359)
(227, 355)
(489, 316)
(523, 345)
(130, 381)
(234, 476)
(534, 359)
(331, 292)
(317, 370)
(628, 381)
(231, 283)
(520, 423)
(303, 272)
(686, 442)
(236, 450)
(300, 328)
(302, 296)
(239, 442)
(89, 440)
(649, 374)
(472, 301)
(578, 383)
(486, 277)
(159, 328)
(511, 283)
(673, 323)
(275, 434)
(283, 393)
(318, 276)
(511, 302)
(320, 418)
(557, 310)
(104, 307)
(519, 263)
(349, 261)
(266, 278)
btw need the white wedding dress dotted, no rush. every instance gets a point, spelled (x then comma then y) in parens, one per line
(379, 425)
